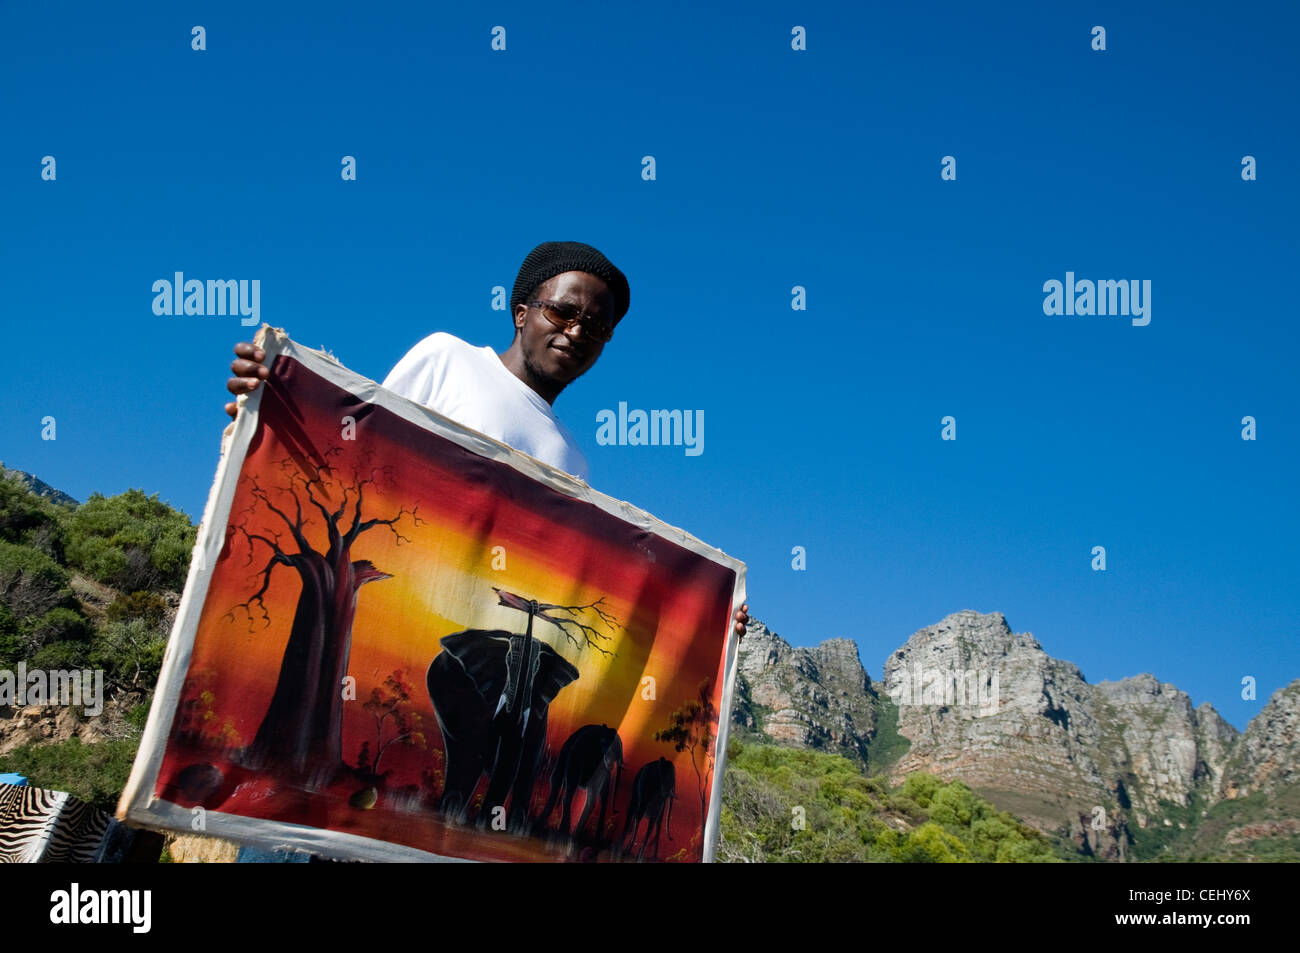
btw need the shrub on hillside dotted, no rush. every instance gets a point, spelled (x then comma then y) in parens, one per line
(130, 652)
(130, 541)
(138, 605)
(27, 519)
(32, 583)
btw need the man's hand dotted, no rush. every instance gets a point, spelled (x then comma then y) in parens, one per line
(742, 616)
(249, 371)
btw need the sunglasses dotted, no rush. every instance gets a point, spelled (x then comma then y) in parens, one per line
(565, 316)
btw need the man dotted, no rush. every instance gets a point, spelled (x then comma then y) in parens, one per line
(566, 302)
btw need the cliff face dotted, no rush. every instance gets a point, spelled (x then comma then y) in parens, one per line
(810, 698)
(1024, 737)
(1166, 751)
(1267, 758)
(1097, 764)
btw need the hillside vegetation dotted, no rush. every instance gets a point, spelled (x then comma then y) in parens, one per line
(89, 586)
(794, 805)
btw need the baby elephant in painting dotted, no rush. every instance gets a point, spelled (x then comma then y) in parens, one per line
(589, 756)
(654, 788)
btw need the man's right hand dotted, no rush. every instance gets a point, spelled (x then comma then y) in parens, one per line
(249, 371)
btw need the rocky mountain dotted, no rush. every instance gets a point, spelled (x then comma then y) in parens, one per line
(39, 487)
(1268, 756)
(809, 698)
(1115, 767)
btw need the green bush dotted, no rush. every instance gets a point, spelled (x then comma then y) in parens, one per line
(921, 788)
(130, 653)
(27, 519)
(989, 833)
(138, 605)
(61, 655)
(955, 806)
(10, 647)
(57, 625)
(130, 541)
(930, 843)
(31, 583)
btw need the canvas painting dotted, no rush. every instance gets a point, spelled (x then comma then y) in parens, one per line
(402, 640)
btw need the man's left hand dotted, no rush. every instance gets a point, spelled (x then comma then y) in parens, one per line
(742, 616)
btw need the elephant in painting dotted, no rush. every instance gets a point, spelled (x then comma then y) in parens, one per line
(587, 759)
(653, 789)
(491, 690)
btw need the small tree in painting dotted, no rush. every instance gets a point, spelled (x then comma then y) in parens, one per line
(691, 729)
(394, 714)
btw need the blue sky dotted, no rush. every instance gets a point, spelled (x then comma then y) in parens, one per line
(775, 168)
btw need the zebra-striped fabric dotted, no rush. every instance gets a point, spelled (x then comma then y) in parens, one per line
(39, 826)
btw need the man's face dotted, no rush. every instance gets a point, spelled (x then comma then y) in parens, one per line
(551, 354)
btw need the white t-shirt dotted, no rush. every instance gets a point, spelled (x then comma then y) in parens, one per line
(471, 386)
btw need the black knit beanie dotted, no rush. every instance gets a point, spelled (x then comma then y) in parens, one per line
(555, 258)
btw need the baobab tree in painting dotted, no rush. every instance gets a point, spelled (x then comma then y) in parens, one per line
(301, 734)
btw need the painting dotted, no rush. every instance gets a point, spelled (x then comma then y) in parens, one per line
(403, 640)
